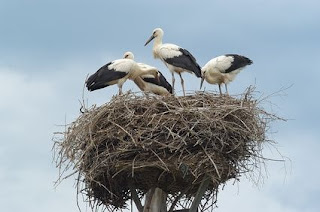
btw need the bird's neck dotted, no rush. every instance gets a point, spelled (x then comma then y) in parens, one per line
(157, 42)
(156, 45)
(139, 72)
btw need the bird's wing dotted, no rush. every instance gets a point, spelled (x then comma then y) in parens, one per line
(106, 74)
(122, 65)
(144, 66)
(165, 83)
(162, 81)
(179, 57)
(169, 51)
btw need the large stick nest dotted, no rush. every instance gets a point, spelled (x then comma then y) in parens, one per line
(168, 142)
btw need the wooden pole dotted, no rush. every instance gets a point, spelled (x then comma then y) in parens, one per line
(155, 201)
(147, 203)
(197, 199)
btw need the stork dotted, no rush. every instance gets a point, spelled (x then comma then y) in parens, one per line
(223, 69)
(148, 83)
(117, 72)
(177, 59)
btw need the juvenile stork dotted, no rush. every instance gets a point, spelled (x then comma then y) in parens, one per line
(177, 59)
(117, 72)
(148, 83)
(223, 69)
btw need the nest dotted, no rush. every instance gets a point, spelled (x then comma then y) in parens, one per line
(172, 143)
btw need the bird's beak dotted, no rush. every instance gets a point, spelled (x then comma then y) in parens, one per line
(202, 79)
(150, 39)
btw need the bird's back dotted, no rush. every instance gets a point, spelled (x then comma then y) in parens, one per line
(238, 62)
(218, 64)
(179, 57)
(109, 74)
(227, 63)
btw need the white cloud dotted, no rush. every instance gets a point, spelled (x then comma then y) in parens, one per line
(28, 104)
(24, 99)
(290, 188)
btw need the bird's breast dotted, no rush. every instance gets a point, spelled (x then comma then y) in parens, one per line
(214, 78)
(156, 53)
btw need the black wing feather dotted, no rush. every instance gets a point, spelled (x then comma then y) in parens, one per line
(238, 62)
(101, 78)
(185, 61)
(162, 82)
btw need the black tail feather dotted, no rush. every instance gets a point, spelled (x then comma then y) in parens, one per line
(238, 62)
(97, 86)
(90, 80)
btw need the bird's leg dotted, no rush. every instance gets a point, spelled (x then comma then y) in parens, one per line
(173, 80)
(120, 90)
(182, 84)
(226, 89)
(220, 89)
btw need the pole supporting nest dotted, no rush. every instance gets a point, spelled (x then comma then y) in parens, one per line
(201, 190)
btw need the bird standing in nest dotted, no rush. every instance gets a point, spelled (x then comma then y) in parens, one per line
(117, 72)
(223, 69)
(177, 59)
(148, 82)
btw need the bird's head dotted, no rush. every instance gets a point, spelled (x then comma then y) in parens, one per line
(128, 55)
(158, 32)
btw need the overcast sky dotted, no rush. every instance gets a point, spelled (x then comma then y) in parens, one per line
(47, 48)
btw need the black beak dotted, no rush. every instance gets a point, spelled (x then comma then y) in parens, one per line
(150, 39)
(202, 79)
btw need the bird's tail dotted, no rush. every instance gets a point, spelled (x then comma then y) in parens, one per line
(198, 71)
(248, 61)
(93, 84)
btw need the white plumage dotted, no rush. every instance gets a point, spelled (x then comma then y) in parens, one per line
(148, 83)
(177, 59)
(223, 69)
(117, 72)
(166, 51)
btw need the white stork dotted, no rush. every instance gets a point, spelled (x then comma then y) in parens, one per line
(223, 69)
(174, 57)
(148, 83)
(117, 72)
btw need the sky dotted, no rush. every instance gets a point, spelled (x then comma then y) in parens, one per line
(47, 48)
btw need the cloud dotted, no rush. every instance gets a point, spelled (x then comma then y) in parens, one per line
(24, 98)
(28, 104)
(292, 187)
